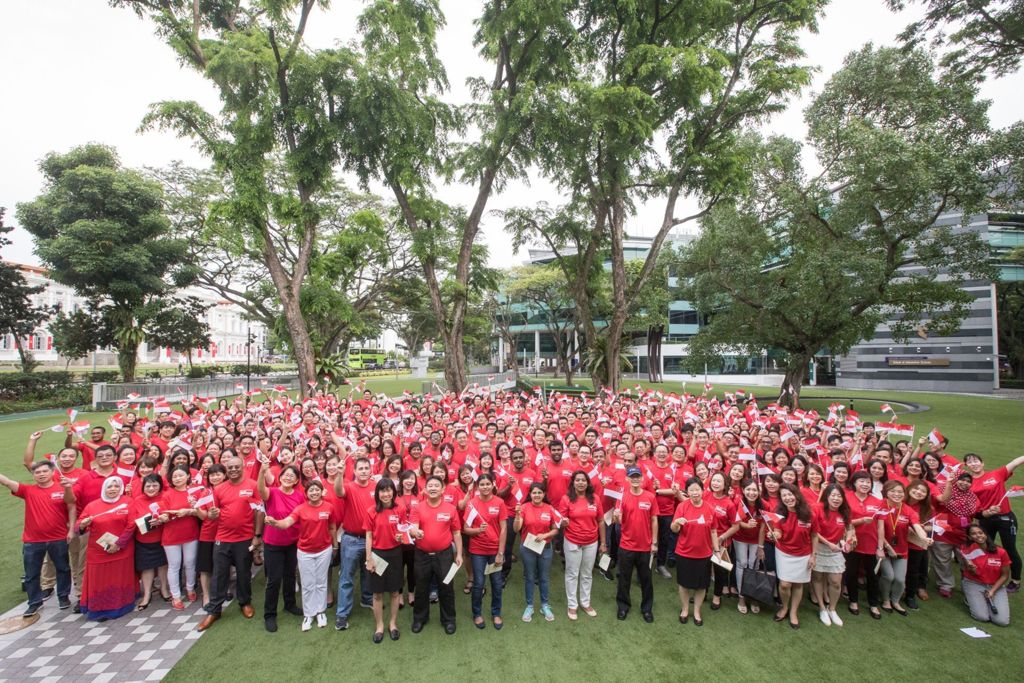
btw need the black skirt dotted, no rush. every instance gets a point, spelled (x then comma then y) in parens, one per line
(204, 557)
(149, 556)
(391, 580)
(693, 573)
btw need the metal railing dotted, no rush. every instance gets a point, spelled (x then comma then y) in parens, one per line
(496, 380)
(105, 395)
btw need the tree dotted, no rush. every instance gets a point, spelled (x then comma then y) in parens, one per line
(982, 35)
(802, 263)
(659, 93)
(411, 315)
(543, 291)
(18, 316)
(180, 325)
(280, 102)
(101, 230)
(401, 133)
(74, 334)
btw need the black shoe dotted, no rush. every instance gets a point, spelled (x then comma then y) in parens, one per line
(378, 637)
(912, 603)
(683, 620)
(433, 597)
(367, 605)
(901, 612)
(417, 627)
(875, 615)
(621, 616)
(649, 617)
(698, 622)
(64, 603)
(294, 609)
(47, 594)
(480, 624)
(608, 576)
(449, 629)
(341, 624)
(78, 608)
(794, 626)
(716, 606)
(394, 634)
(31, 611)
(270, 623)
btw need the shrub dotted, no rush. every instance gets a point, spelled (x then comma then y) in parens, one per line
(240, 369)
(35, 385)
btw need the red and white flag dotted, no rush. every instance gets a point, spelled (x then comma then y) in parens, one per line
(936, 437)
(886, 408)
(1014, 492)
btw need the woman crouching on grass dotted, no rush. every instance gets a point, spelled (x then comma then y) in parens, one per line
(986, 572)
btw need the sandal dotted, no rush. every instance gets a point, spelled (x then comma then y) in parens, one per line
(755, 608)
(468, 588)
(143, 605)
(741, 608)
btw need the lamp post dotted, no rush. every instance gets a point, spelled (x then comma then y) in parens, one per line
(248, 355)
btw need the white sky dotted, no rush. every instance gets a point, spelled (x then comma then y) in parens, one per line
(78, 71)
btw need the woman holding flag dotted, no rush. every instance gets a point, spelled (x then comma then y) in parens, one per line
(150, 559)
(538, 523)
(108, 585)
(835, 534)
(180, 536)
(895, 522)
(994, 513)
(748, 541)
(986, 572)
(583, 519)
(384, 555)
(796, 544)
(695, 523)
(485, 516)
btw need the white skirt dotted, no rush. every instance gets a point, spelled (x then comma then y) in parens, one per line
(792, 568)
(828, 561)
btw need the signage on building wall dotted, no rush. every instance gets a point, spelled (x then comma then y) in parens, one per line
(916, 361)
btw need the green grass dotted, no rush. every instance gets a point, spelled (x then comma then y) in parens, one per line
(730, 646)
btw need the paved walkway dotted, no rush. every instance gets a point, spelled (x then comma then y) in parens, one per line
(61, 646)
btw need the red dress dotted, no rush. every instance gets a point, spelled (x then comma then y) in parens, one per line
(109, 585)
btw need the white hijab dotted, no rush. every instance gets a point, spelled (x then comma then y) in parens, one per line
(103, 491)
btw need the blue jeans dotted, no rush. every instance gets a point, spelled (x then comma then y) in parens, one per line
(353, 558)
(33, 555)
(537, 569)
(480, 563)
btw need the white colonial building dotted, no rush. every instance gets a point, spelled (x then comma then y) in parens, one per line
(228, 330)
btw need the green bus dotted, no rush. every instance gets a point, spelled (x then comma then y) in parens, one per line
(366, 359)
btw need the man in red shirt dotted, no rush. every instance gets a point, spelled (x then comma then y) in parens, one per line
(519, 479)
(666, 490)
(435, 524)
(637, 515)
(358, 497)
(239, 511)
(49, 518)
(87, 448)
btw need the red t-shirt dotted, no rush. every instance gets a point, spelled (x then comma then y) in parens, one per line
(584, 519)
(897, 522)
(558, 480)
(178, 530)
(537, 519)
(694, 540)
(988, 566)
(357, 500)
(384, 525)
(867, 534)
(88, 451)
(236, 503)
(725, 513)
(314, 524)
(663, 478)
(745, 514)
(831, 526)
(637, 512)
(46, 513)
(438, 525)
(522, 487)
(796, 535)
(495, 514)
(990, 488)
(88, 488)
(144, 505)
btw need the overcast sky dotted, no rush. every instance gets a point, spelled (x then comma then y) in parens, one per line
(78, 71)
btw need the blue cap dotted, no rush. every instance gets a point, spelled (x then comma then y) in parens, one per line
(633, 471)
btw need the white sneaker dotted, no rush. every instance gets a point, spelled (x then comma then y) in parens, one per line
(307, 623)
(321, 620)
(823, 615)
(835, 618)
(664, 572)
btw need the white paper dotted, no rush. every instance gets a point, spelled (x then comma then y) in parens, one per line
(605, 562)
(106, 540)
(379, 564)
(533, 543)
(724, 564)
(451, 574)
(975, 632)
(608, 517)
(491, 568)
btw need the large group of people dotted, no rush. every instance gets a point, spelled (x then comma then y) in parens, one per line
(410, 498)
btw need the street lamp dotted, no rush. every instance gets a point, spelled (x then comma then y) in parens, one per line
(248, 355)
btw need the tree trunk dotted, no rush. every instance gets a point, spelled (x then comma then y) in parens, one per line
(796, 372)
(613, 344)
(127, 359)
(24, 356)
(302, 345)
(454, 360)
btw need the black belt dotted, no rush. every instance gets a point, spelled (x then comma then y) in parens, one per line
(363, 535)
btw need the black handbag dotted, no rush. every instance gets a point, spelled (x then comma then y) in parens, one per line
(758, 584)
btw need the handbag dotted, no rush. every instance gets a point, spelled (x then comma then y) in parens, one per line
(758, 584)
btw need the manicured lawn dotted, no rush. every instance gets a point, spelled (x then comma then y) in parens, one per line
(730, 646)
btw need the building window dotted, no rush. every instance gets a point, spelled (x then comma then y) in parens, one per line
(683, 318)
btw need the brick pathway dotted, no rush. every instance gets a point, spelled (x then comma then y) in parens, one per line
(61, 646)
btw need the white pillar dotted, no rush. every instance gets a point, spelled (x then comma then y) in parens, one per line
(536, 350)
(501, 354)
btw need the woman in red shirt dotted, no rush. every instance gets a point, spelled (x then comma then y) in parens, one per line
(215, 476)
(537, 519)
(384, 543)
(180, 536)
(796, 542)
(694, 522)
(994, 512)
(894, 524)
(726, 525)
(583, 520)
(835, 534)
(986, 571)
(409, 496)
(150, 559)
(108, 585)
(861, 557)
(485, 527)
(747, 542)
(318, 536)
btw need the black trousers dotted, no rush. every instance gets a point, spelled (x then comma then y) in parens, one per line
(280, 563)
(854, 563)
(642, 561)
(226, 555)
(917, 570)
(409, 562)
(1005, 527)
(432, 568)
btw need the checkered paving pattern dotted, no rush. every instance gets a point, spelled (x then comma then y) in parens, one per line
(61, 646)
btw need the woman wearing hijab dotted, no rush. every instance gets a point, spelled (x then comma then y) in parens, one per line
(108, 585)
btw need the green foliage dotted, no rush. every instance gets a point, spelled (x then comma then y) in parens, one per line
(180, 324)
(18, 317)
(801, 263)
(33, 385)
(252, 369)
(74, 334)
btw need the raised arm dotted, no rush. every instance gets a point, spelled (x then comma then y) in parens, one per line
(10, 483)
(1015, 463)
(30, 450)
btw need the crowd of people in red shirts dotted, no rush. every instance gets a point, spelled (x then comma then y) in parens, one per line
(413, 497)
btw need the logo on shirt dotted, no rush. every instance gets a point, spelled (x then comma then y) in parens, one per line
(591, 507)
(804, 525)
(57, 496)
(393, 519)
(444, 517)
(324, 515)
(245, 493)
(991, 481)
(644, 506)
(493, 511)
(545, 517)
